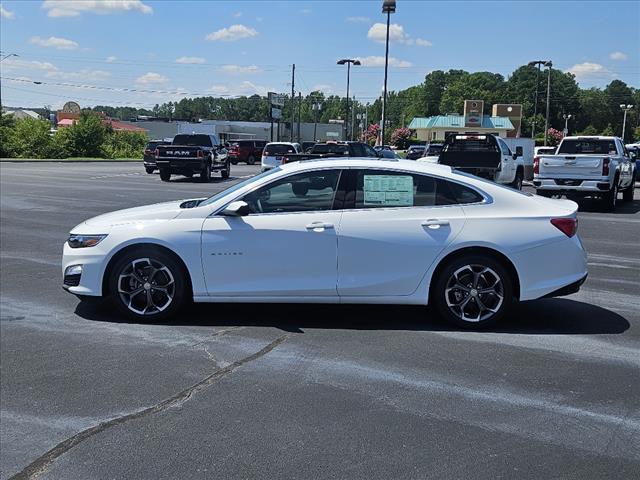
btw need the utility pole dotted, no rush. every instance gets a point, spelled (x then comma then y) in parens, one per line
(316, 108)
(353, 115)
(625, 108)
(566, 117)
(299, 113)
(546, 122)
(293, 96)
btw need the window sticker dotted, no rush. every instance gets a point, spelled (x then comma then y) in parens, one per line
(388, 190)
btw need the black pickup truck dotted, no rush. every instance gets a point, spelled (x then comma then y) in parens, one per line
(332, 149)
(190, 154)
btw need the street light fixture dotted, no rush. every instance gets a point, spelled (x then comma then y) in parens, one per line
(538, 63)
(566, 123)
(316, 107)
(625, 109)
(348, 61)
(388, 7)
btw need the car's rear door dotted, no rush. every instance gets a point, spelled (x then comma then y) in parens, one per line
(396, 225)
(287, 246)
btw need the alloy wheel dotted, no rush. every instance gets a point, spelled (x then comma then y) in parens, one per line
(474, 293)
(146, 286)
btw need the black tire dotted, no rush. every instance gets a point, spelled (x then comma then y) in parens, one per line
(134, 272)
(445, 296)
(165, 175)
(234, 162)
(517, 182)
(149, 169)
(205, 173)
(544, 193)
(627, 195)
(610, 198)
(251, 160)
(227, 171)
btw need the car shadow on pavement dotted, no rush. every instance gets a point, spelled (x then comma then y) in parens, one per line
(547, 316)
(196, 179)
(594, 205)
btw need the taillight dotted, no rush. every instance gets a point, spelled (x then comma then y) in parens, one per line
(200, 154)
(536, 165)
(568, 226)
(605, 167)
(283, 160)
(156, 152)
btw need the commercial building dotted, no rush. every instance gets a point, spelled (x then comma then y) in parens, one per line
(504, 122)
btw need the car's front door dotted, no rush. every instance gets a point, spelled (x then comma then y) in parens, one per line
(286, 246)
(396, 226)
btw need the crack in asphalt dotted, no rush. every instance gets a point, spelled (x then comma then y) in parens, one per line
(39, 465)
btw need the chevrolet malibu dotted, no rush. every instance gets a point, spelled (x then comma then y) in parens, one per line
(371, 231)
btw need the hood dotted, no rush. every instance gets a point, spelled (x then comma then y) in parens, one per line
(157, 212)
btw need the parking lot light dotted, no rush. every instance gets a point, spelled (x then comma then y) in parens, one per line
(388, 7)
(625, 109)
(348, 61)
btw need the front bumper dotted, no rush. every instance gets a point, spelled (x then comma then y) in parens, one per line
(93, 262)
(572, 185)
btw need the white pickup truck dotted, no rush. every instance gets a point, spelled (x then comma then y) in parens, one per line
(587, 167)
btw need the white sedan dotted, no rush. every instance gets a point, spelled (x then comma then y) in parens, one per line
(335, 231)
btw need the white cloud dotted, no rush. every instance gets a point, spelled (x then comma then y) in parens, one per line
(4, 13)
(85, 74)
(235, 69)
(111, 59)
(74, 8)
(618, 56)
(423, 43)
(590, 71)
(358, 19)
(191, 60)
(13, 63)
(378, 33)
(237, 14)
(55, 42)
(150, 78)
(378, 61)
(321, 87)
(245, 88)
(232, 33)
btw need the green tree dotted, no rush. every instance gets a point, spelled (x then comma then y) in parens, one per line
(7, 124)
(589, 131)
(84, 138)
(29, 138)
(124, 144)
(607, 132)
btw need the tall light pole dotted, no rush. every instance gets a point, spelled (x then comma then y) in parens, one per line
(546, 122)
(348, 61)
(316, 108)
(566, 123)
(388, 7)
(537, 63)
(625, 109)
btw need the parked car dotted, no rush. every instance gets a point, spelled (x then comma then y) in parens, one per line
(190, 154)
(335, 231)
(544, 151)
(149, 155)
(587, 166)
(433, 150)
(485, 156)
(335, 149)
(248, 151)
(307, 146)
(415, 152)
(384, 153)
(275, 151)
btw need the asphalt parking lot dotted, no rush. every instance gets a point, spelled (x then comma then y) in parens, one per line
(300, 391)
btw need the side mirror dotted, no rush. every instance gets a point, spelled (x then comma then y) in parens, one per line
(514, 156)
(519, 151)
(236, 209)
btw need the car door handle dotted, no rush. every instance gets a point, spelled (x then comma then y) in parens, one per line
(435, 223)
(319, 225)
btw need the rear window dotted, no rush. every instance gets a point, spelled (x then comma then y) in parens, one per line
(278, 149)
(153, 145)
(588, 146)
(245, 143)
(434, 149)
(193, 140)
(472, 144)
(333, 148)
(416, 147)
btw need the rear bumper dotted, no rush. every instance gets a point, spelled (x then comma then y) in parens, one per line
(572, 185)
(193, 165)
(567, 290)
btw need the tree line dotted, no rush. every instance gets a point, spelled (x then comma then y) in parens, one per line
(593, 110)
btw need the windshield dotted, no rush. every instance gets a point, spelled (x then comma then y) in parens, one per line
(193, 140)
(588, 146)
(238, 186)
(278, 149)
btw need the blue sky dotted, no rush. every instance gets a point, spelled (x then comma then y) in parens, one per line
(240, 48)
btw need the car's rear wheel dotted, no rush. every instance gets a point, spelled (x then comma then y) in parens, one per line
(473, 291)
(226, 171)
(149, 169)
(251, 160)
(205, 173)
(610, 198)
(165, 175)
(148, 285)
(627, 195)
(517, 182)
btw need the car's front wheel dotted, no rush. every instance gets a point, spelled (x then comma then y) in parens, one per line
(165, 175)
(627, 195)
(473, 291)
(148, 285)
(149, 169)
(251, 160)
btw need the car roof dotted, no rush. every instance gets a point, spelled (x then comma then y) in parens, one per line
(367, 162)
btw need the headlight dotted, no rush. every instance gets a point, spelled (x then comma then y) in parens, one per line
(83, 241)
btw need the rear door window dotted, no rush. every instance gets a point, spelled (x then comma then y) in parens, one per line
(278, 149)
